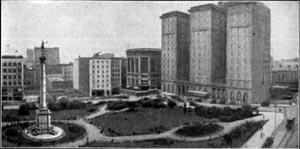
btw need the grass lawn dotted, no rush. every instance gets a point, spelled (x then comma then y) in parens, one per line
(144, 121)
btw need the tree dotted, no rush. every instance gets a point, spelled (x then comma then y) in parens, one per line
(24, 109)
(171, 104)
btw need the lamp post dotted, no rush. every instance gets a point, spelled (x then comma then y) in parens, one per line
(275, 115)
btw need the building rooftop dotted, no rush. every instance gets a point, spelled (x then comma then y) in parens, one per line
(143, 49)
(174, 14)
(206, 7)
(12, 57)
(229, 4)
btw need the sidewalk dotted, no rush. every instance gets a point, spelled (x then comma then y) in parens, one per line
(257, 140)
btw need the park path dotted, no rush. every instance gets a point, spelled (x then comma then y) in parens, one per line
(94, 133)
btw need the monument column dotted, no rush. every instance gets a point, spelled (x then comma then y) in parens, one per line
(43, 114)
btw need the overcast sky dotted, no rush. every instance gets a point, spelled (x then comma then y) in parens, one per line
(83, 28)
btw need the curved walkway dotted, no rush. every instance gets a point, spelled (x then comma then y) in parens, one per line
(95, 135)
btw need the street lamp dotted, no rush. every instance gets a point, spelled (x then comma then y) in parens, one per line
(275, 116)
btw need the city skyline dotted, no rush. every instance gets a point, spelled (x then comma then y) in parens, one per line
(99, 29)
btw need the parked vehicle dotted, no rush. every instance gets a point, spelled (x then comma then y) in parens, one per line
(290, 123)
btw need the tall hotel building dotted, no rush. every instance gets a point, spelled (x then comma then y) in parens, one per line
(229, 52)
(175, 52)
(208, 49)
(248, 51)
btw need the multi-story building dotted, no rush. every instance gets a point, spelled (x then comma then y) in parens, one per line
(52, 55)
(285, 72)
(12, 78)
(67, 71)
(81, 75)
(248, 51)
(143, 68)
(243, 28)
(30, 58)
(105, 75)
(208, 49)
(175, 52)
(28, 77)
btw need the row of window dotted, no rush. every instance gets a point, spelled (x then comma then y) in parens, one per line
(107, 66)
(12, 77)
(12, 64)
(103, 76)
(100, 61)
(12, 83)
(98, 86)
(98, 81)
(13, 70)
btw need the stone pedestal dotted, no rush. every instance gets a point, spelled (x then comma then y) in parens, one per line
(43, 120)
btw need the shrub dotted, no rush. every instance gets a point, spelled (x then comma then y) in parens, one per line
(54, 106)
(223, 101)
(163, 141)
(100, 103)
(73, 129)
(198, 130)
(24, 109)
(171, 104)
(268, 142)
(116, 105)
(193, 104)
(12, 132)
(265, 103)
(226, 114)
(64, 103)
(76, 105)
(92, 109)
(214, 101)
(158, 105)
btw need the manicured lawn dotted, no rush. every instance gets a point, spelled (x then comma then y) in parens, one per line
(144, 121)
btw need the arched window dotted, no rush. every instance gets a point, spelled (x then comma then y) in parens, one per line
(224, 93)
(245, 97)
(232, 98)
(239, 97)
(214, 93)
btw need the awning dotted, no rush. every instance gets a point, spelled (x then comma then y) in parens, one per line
(197, 93)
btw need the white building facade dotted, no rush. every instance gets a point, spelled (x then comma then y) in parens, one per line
(105, 75)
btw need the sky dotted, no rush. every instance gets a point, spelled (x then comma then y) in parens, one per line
(82, 28)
